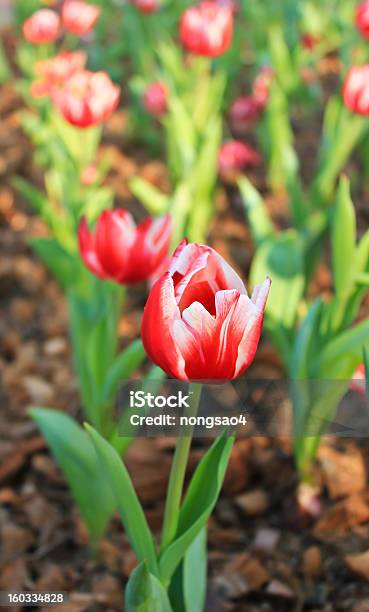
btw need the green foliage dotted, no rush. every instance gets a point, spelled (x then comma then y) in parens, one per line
(129, 506)
(144, 593)
(82, 469)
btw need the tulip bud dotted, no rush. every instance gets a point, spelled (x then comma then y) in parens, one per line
(121, 251)
(199, 323)
(155, 99)
(79, 17)
(355, 90)
(261, 86)
(234, 156)
(362, 18)
(42, 27)
(207, 29)
(309, 41)
(147, 6)
(87, 98)
(244, 110)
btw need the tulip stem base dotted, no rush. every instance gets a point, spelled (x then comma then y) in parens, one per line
(178, 472)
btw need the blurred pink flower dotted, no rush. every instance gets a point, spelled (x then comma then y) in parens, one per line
(362, 18)
(79, 17)
(155, 99)
(51, 73)
(42, 27)
(244, 110)
(89, 175)
(355, 90)
(234, 156)
(207, 29)
(261, 86)
(147, 6)
(87, 98)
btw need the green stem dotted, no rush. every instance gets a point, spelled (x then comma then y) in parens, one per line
(177, 474)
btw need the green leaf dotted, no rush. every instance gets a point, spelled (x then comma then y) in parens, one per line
(198, 504)
(123, 367)
(129, 506)
(144, 593)
(155, 202)
(76, 456)
(281, 258)
(5, 72)
(38, 201)
(362, 256)
(344, 240)
(61, 263)
(187, 589)
(260, 222)
(306, 338)
(194, 573)
(343, 354)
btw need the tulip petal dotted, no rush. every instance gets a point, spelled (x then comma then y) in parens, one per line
(198, 273)
(161, 312)
(115, 234)
(87, 249)
(250, 340)
(209, 344)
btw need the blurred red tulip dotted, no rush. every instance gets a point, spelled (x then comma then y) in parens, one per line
(51, 73)
(42, 27)
(199, 323)
(121, 251)
(155, 99)
(261, 86)
(234, 156)
(362, 18)
(244, 110)
(147, 6)
(79, 17)
(355, 90)
(309, 41)
(207, 29)
(87, 98)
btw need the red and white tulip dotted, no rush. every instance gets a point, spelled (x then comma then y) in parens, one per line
(199, 323)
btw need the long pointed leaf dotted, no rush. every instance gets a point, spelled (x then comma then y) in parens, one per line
(129, 506)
